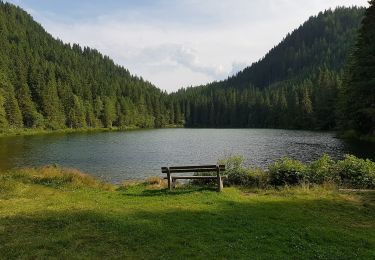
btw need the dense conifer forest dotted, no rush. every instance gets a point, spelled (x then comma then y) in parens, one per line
(45, 83)
(296, 85)
(305, 82)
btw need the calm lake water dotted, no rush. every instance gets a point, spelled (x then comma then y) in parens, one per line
(116, 156)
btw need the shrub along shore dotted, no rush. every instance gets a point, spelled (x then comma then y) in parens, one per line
(351, 172)
(279, 214)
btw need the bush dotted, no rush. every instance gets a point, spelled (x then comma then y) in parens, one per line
(252, 177)
(235, 170)
(287, 172)
(239, 177)
(321, 170)
(204, 181)
(233, 163)
(238, 174)
(353, 172)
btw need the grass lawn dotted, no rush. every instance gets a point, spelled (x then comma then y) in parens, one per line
(54, 213)
(39, 131)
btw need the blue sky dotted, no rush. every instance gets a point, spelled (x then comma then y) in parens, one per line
(181, 43)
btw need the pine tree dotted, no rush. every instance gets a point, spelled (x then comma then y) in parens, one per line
(171, 114)
(13, 112)
(98, 108)
(109, 113)
(77, 117)
(3, 116)
(177, 113)
(31, 118)
(211, 118)
(306, 109)
(52, 108)
(359, 90)
(91, 121)
(282, 110)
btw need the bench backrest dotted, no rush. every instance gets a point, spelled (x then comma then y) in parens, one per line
(199, 168)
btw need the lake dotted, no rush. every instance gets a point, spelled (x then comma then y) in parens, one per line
(116, 156)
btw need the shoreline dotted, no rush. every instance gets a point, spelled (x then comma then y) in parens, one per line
(350, 172)
(39, 131)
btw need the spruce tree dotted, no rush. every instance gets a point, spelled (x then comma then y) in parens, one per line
(98, 107)
(31, 117)
(77, 116)
(13, 112)
(90, 116)
(3, 116)
(359, 90)
(306, 109)
(51, 104)
(109, 113)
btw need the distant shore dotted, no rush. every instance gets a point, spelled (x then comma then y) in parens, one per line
(38, 131)
(348, 135)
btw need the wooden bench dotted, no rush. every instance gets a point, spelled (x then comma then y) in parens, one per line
(200, 168)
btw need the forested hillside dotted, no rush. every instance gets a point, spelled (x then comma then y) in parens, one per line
(295, 85)
(45, 83)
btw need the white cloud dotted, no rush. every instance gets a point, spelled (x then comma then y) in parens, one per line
(188, 42)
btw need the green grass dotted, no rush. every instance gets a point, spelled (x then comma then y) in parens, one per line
(38, 131)
(55, 213)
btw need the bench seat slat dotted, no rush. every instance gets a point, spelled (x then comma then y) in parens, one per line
(182, 169)
(192, 177)
(192, 167)
(194, 170)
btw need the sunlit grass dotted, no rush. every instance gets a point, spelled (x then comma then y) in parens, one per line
(52, 212)
(38, 131)
(56, 177)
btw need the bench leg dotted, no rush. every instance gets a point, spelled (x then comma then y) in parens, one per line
(219, 183)
(174, 183)
(169, 181)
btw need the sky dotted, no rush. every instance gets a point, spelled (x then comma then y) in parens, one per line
(176, 44)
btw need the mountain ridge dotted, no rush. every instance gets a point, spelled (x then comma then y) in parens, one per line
(46, 83)
(293, 77)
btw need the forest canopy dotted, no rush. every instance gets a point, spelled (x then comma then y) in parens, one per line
(296, 85)
(304, 82)
(45, 83)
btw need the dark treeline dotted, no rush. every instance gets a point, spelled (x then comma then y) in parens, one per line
(45, 83)
(306, 105)
(296, 85)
